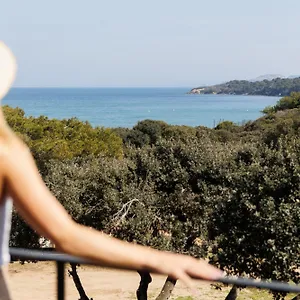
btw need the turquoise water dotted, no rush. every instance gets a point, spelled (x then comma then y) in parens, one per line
(124, 107)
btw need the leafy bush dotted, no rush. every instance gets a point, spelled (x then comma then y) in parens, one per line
(230, 193)
(256, 226)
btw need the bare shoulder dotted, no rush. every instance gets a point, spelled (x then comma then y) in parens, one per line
(4, 152)
(12, 145)
(12, 150)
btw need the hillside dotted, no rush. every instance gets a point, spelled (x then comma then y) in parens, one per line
(275, 87)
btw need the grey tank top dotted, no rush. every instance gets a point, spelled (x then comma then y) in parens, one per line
(5, 225)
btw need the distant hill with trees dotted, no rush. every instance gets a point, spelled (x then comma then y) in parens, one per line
(274, 87)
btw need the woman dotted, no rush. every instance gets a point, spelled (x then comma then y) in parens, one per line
(20, 181)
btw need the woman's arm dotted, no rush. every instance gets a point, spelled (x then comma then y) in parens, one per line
(47, 216)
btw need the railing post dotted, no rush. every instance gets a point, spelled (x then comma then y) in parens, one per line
(60, 280)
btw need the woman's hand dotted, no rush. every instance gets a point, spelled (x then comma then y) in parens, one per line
(183, 267)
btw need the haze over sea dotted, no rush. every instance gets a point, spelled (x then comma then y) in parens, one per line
(124, 107)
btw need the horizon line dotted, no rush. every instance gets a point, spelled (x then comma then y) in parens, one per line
(98, 87)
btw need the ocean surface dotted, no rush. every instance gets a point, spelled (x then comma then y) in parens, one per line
(124, 107)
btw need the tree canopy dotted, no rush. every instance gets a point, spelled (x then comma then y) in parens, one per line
(230, 194)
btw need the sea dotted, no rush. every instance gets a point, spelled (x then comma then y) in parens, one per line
(124, 107)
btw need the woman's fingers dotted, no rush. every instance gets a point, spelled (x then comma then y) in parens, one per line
(197, 269)
(202, 270)
(187, 280)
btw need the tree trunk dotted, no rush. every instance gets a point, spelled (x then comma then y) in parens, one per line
(233, 293)
(167, 289)
(297, 297)
(141, 292)
(77, 283)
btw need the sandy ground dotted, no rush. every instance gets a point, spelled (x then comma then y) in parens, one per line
(38, 281)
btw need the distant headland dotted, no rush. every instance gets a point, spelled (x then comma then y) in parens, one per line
(267, 85)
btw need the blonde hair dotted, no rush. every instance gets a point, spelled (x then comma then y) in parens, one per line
(8, 69)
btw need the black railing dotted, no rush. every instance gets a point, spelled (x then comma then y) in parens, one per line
(59, 258)
(62, 259)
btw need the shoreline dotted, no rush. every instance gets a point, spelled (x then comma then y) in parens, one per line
(245, 95)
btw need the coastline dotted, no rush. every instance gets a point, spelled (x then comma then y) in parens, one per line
(234, 94)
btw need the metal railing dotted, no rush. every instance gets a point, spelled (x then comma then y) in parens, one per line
(62, 259)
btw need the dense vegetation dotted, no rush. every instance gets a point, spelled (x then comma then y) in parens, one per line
(275, 87)
(231, 194)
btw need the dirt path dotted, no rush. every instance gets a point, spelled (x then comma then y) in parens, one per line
(38, 282)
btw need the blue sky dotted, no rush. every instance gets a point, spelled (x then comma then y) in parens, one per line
(138, 43)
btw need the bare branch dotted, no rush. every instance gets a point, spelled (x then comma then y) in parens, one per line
(122, 213)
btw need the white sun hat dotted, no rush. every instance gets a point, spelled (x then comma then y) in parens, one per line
(8, 69)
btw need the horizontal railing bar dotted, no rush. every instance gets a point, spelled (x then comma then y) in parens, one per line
(261, 284)
(46, 256)
(238, 281)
